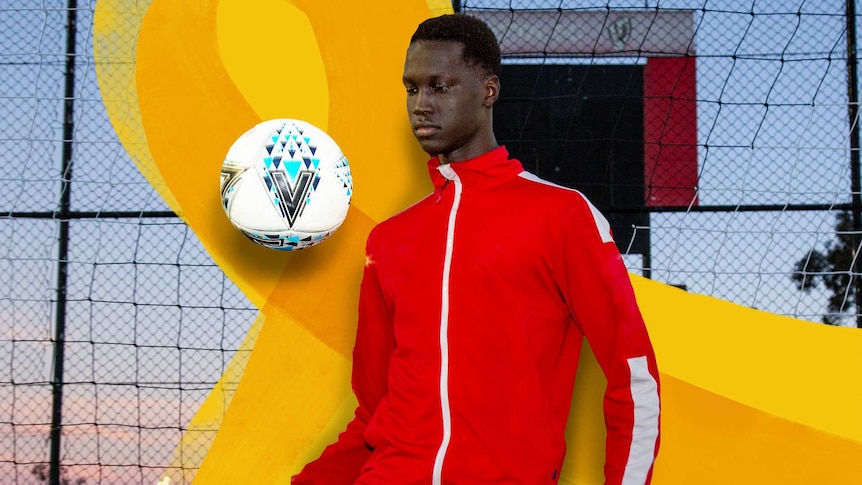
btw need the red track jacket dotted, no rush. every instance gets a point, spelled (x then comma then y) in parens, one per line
(473, 307)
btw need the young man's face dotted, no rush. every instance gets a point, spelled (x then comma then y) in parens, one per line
(448, 101)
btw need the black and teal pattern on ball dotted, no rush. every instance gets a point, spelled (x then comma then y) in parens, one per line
(290, 170)
(286, 243)
(342, 171)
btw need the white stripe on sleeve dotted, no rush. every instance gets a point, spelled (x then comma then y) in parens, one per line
(644, 391)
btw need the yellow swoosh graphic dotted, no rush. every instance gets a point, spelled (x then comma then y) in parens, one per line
(748, 397)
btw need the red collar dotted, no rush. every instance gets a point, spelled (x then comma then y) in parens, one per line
(490, 167)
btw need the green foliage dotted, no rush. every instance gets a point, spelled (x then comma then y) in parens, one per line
(832, 268)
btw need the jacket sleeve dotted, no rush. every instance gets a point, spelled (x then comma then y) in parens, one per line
(597, 289)
(341, 462)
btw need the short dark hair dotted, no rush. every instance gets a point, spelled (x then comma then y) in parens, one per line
(480, 44)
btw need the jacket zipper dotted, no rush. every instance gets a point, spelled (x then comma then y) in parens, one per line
(450, 175)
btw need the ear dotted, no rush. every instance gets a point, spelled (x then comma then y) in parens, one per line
(492, 91)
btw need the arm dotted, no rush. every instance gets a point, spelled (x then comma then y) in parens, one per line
(342, 461)
(596, 286)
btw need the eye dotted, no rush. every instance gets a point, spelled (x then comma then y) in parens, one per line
(441, 88)
(411, 90)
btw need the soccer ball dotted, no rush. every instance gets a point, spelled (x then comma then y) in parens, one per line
(286, 184)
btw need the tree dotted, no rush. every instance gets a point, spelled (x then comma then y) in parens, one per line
(41, 472)
(832, 268)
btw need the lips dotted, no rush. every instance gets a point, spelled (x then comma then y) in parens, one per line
(425, 129)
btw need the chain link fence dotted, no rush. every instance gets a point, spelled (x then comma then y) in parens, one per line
(151, 322)
(771, 148)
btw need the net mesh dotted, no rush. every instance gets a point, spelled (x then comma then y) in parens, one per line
(152, 322)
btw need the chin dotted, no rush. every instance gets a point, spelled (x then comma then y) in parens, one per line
(431, 148)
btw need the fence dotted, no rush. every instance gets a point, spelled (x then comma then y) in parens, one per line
(115, 323)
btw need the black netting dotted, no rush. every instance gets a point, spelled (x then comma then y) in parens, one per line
(152, 322)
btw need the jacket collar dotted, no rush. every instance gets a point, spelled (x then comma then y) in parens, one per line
(490, 167)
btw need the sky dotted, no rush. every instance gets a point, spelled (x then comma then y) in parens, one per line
(152, 322)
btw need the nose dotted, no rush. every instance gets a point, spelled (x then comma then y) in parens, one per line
(421, 103)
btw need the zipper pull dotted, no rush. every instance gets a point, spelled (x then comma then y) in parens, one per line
(440, 195)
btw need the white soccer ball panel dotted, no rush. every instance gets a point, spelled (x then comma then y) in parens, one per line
(323, 211)
(251, 145)
(251, 207)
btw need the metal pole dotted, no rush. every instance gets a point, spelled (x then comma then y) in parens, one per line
(456, 6)
(853, 112)
(63, 246)
(647, 255)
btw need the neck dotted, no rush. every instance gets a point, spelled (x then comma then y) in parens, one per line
(481, 147)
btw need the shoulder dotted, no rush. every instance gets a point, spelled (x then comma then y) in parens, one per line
(565, 203)
(549, 188)
(398, 223)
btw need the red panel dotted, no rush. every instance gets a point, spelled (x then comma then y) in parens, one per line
(670, 132)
